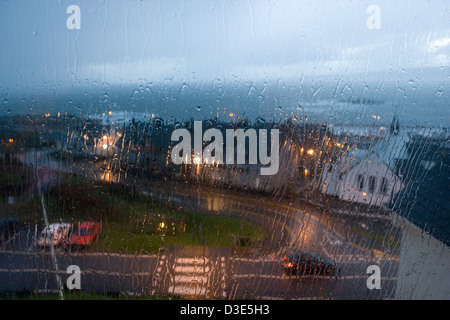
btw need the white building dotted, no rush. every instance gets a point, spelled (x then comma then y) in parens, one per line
(367, 176)
(248, 176)
(423, 266)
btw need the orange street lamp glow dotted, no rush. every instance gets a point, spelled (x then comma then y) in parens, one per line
(197, 160)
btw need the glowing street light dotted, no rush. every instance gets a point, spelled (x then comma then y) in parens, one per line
(197, 160)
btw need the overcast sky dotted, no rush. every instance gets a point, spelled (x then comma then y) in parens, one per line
(121, 42)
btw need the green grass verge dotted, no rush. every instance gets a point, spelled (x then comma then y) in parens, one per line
(381, 239)
(203, 230)
(132, 223)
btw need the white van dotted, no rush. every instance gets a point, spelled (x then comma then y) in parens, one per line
(55, 233)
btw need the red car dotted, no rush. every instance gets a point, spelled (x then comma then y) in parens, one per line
(84, 235)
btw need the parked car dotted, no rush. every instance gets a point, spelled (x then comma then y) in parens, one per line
(8, 228)
(84, 235)
(308, 263)
(55, 233)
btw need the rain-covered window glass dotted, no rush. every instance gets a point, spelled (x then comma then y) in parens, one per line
(220, 149)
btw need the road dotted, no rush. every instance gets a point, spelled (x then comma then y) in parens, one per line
(217, 273)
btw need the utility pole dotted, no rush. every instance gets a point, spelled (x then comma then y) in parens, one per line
(52, 247)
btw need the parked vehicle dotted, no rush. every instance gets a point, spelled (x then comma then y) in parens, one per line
(84, 235)
(55, 233)
(308, 263)
(8, 228)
